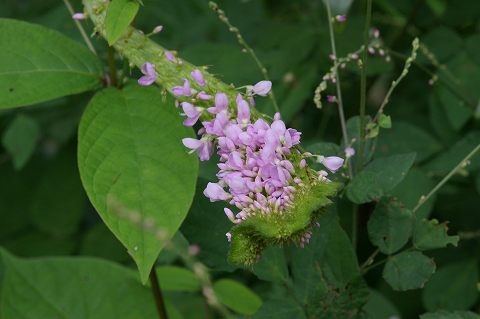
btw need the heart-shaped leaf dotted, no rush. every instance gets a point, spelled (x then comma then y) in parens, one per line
(135, 169)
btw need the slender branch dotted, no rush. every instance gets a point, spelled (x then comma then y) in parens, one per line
(157, 293)
(408, 63)
(247, 48)
(370, 259)
(80, 27)
(341, 113)
(467, 235)
(378, 263)
(363, 82)
(423, 199)
(112, 66)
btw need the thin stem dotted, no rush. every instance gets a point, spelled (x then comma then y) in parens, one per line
(370, 259)
(222, 16)
(80, 27)
(363, 82)
(408, 63)
(112, 66)
(467, 235)
(423, 199)
(442, 81)
(341, 113)
(157, 293)
(378, 263)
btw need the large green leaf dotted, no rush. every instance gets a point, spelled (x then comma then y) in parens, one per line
(272, 266)
(390, 225)
(120, 14)
(38, 64)
(453, 287)
(236, 296)
(132, 162)
(408, 270)
(73, 288)
(379, 177)
(20, 139)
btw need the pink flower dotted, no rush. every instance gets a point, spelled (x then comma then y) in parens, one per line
(243, 114)
(158, 29)
(182, 90)
(204, 148)
(170, 56)
(331, 98)
(79, 16)
(203, 96)
(215, 192)
(198, 77)
(349, 152)
(192, 114)
(333, 163)
(341, 18)
(221, 104)
(150, 75)
(262, 88)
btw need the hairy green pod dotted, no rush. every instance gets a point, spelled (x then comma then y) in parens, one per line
(251, 236)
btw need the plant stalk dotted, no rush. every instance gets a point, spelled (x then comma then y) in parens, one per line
(463, 162)
(80, 27)
(341, 113)
(157, 294)
(363, 84)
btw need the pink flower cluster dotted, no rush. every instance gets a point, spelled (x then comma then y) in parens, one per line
(255, 170)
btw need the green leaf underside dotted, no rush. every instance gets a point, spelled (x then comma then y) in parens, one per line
(408, 270)
(390, 225)
(430, 234)
(132, 162)
(120, 14)
(250, 237)
(379, 177)
(38, 64)
(73, 288)
(236, 296)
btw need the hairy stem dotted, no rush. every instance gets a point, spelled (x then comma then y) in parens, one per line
(341, 114)
(363, 82)
(423, 199)
(80, 27)
(157, 294)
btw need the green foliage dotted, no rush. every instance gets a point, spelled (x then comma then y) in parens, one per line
(131, 137)
(41, 64)
(20, 139)
(390, 225)
(174, 278)
(430, 234)
(237, 297)
(452, 287)
(450, 315)
(379, 177)
(408, 270)
(70, 288)
(272, 266)
(120, 14)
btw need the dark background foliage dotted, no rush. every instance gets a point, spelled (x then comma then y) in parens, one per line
(45, 212)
